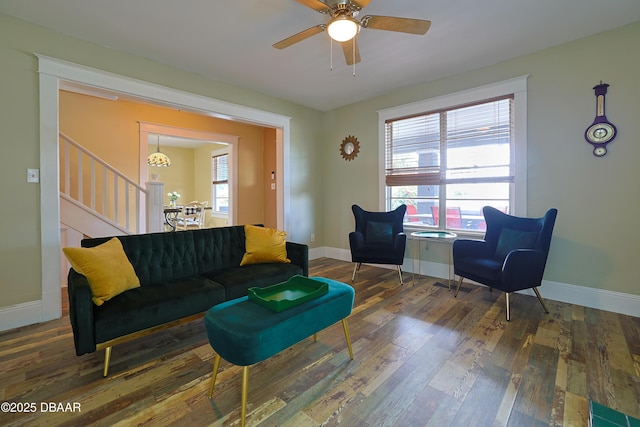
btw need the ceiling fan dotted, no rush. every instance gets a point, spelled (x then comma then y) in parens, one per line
(343, 27)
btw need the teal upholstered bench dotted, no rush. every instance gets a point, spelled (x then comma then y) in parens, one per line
(244, 332)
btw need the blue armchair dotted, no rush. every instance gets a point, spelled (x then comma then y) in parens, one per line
(378, 239)
(512, 255)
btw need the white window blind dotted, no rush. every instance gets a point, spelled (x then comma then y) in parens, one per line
(220, 169)
(451, 162)
(465, 144)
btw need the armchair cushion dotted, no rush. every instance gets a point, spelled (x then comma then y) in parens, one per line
(379, 232)
(486, 270)
(514, 239)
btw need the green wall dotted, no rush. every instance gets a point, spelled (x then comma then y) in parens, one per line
(598, 199)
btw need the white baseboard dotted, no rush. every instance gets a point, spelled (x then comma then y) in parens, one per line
(601, 299)
(26, 313)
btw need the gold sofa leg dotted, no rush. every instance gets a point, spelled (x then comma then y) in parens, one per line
(107, 359)
(400, 274)
(214, 374)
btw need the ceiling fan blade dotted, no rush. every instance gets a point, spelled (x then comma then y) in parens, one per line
(300, 36)
(315, 5)
(350, 48)
(361, 3)
(391, 23)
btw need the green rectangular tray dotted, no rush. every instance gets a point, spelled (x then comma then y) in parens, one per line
(293, 292)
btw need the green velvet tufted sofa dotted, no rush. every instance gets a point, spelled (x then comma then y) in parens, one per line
(182, 274)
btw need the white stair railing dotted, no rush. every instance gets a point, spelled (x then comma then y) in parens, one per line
(95, 184)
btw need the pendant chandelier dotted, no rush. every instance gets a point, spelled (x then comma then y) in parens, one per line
(158, 159)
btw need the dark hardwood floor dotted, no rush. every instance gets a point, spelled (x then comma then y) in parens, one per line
(422, 358)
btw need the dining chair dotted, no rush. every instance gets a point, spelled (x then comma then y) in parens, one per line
(454, 217)
(202, 219)
(190, 216)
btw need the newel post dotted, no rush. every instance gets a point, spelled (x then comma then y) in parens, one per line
(155, 206)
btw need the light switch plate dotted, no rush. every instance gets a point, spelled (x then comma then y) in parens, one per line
(33, 175)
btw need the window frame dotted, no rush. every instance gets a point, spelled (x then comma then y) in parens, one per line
(516, 87)
(216, 154)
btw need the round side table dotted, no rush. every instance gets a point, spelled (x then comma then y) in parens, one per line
(437, 236)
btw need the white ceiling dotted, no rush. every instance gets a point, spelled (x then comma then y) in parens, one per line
(230, 41)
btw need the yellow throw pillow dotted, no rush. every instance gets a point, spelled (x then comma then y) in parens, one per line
(264, 245)
(106, 267)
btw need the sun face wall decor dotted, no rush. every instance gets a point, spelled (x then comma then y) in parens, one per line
(349, 148)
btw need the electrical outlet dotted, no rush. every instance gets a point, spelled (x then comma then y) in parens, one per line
(313, 237)
(33, 175)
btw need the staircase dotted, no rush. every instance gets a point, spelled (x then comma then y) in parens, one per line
(96, 199)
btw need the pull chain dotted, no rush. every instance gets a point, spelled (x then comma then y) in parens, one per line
(331, 54)
(353, 52)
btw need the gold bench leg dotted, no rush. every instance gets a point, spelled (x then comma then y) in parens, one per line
(245, 386)
(347, 337)
(214, 374)
(107, 359)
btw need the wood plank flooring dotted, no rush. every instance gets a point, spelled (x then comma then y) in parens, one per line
(422, 358)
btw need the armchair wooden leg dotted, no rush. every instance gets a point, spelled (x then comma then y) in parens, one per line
(355, 270)
(541, 300)
(400, 274)
(458, 288)
(508, 313)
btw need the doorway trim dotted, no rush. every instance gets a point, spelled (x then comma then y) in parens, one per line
(52, 72)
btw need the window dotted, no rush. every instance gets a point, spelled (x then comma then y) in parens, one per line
(447, 158)
(220, 187)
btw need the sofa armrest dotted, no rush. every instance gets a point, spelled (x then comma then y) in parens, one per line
(298, 253)
(81, 313)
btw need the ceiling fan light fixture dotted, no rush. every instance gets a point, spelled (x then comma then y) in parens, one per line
(343, 28)
(158, 159)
